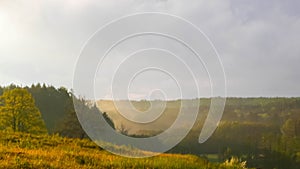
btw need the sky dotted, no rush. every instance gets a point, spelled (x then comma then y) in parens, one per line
(257, 42)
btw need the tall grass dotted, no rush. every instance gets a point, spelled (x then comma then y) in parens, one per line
(25, 151)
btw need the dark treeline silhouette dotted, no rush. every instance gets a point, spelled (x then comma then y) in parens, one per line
(57, 109)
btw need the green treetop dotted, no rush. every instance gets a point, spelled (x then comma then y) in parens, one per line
(18, 112)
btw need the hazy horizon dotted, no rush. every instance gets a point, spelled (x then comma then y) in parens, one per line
(172, 99)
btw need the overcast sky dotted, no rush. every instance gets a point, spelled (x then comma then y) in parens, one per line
(258, 41)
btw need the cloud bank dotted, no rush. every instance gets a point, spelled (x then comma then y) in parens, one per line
(258, 41)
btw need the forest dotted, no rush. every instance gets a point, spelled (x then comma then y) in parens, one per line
(265, 132)
(262, 132)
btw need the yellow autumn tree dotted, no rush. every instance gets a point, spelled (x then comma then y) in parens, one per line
(18, 112)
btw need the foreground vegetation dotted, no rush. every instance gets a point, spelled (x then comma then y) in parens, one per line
(20, 150)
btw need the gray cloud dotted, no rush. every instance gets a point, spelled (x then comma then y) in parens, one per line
(258, 41)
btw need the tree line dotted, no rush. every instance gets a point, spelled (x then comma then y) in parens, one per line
(43, 109)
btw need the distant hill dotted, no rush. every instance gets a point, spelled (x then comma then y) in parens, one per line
(265, 132)
(265, 110)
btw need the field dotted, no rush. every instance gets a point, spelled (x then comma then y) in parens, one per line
(20, 150)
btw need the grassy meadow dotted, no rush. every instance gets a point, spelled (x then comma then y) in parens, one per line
(25, 151)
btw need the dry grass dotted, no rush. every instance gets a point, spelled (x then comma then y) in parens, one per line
(19, 150)
(26, 151)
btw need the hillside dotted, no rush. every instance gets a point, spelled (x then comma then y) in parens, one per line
(274, 111)
(265, 132)
(20, 150)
